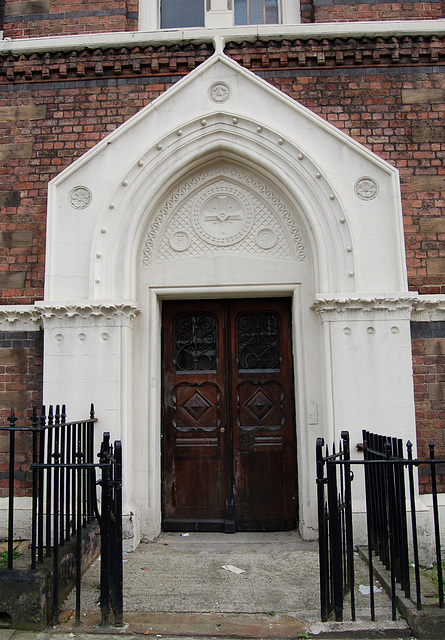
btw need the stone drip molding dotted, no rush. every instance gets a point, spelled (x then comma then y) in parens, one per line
(157, 54)
(20, 318)
(101, 314)
(378, 308)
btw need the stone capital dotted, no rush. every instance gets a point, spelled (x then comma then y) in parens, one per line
(364, 308)
(19, 318)
(94, 313)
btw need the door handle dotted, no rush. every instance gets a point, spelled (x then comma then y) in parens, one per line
(222, 429)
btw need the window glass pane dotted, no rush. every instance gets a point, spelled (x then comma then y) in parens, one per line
(241, 12)
(182, 13)
(256, 11)
(195, 342)
(271, 12)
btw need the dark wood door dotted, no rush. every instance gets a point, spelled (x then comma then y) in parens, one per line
(229, 457)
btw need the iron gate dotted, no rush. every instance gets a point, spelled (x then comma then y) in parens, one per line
(389, 479)
(64, 500)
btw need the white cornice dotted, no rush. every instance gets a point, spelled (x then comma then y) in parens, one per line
(412, 306)
(378, 307)
(94, 313)
(429, 309)
(397, 28)
(19, 318)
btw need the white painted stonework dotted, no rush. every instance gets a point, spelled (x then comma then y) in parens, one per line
(225, 187)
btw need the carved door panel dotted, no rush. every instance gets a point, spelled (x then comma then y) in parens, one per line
(228, 431)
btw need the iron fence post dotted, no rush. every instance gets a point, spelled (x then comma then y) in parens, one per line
(35, 423)
(409, 448)
(105, 532)
(12, 420)
(348, 519)
(335, 539)
(118, 605)
(436, 524)
(322, 534)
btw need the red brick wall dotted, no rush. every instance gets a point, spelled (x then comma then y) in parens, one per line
(352, 11)
(30, 18)
(428, 340)
(21, 370)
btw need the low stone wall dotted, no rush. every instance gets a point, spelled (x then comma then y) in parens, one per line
(26, 596)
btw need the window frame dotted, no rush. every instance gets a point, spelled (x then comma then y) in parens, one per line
(218, 14)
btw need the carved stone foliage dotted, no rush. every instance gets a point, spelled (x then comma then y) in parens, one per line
(19, 318)
(99, 314)
(364, 308)
(223, 209)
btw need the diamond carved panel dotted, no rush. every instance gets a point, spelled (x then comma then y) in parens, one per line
(196, 406)
(259, 405)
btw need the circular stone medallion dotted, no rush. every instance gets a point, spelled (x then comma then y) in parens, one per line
(366, 188)
(180, 241)
(80, 197)
(219, 92)
(266, 238)
(223, 218)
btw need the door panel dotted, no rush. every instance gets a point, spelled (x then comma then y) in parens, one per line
(228, 431)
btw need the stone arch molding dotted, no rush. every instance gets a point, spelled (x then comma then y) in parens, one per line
(333, 201)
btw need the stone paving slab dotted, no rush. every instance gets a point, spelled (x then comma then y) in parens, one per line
(176, 589)
(160, 626)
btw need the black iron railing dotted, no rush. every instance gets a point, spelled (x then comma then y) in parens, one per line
(64, 500)
(389, 479)
(336, 553)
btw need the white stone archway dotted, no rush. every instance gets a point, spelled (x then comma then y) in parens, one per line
(123, 235)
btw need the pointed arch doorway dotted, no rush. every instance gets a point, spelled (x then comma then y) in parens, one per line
(229, 456)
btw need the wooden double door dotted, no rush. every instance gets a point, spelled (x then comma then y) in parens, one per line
(229, 454)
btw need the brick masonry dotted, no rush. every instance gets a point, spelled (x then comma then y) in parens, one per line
(21, 370)
(30, 18)
(428, 340)
(387, 93)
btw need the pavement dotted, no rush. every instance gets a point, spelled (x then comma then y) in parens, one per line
(216, 586)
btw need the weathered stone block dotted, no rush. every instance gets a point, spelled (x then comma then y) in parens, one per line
(14, 280)
(428, 183)
(423, 96)
(22, 112)
(27, 7)
(17, 399)
(13, 356)
(436, 391)
(15, 150)
(427, 133)
(435, 266)
(15, 239)
(435, 346)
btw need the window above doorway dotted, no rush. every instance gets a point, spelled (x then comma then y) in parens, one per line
(178, 14)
